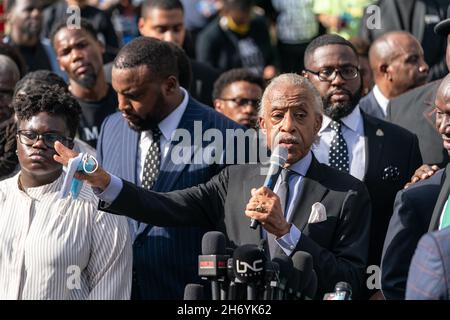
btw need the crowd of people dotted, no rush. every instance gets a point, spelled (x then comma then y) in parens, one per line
(181, 103)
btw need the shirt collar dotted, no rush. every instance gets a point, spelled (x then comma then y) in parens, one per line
(302, 165)
(381, 99)
(170, 123)
(352, 121)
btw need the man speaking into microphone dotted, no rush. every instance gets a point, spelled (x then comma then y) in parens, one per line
(313, 208)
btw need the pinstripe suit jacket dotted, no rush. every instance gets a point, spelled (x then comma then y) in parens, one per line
(429, 274)
(167, 259)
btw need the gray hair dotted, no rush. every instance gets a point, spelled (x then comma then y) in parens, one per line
(296, 80)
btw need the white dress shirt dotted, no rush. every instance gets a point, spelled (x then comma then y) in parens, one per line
(353, 133)
(381, 99)
(53, 248)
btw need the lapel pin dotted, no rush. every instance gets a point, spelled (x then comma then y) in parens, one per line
(379, 133)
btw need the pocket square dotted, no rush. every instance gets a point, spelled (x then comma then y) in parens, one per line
(391, 173)
(318, 213)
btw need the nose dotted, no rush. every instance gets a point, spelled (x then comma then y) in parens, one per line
(170, 36)
(39, 144)
(288, 122)
(36, 12)
(76, 54)
(443, 123)
(124, 103)
(248, 109)
(338, 80)
(423, 67)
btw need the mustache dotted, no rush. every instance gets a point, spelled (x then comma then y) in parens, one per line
(340, 91)
(288, 139)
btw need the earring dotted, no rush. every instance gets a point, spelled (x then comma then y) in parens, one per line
(17, 153)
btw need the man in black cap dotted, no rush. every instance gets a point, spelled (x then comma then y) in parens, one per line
(414, 112)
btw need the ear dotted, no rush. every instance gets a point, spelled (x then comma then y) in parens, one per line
(305, 74)
(170, 85)
(217, 105)
(141, 25)
(262, 124)
(385, 70)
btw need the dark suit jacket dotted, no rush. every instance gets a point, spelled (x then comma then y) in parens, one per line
(429, 274)
(338, 245)
(418, 17)
(413, 111)
(389, 147)
(370, 106)
(412, 213)
(167, 259)
(440, 203)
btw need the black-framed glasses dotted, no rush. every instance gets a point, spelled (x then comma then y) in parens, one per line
(329, 74)
(29, 137)
(242, 102)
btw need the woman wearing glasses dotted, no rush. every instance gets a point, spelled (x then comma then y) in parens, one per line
(53, 248)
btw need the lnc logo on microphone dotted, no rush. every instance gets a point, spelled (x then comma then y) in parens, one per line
(242, 267)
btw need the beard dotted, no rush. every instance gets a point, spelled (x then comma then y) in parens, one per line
(87, 80)
(31, 29)
(140, 124)
(340, 110)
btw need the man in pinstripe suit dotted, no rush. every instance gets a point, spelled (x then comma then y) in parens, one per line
(145, 76)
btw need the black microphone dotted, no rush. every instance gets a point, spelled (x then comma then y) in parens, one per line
(212, 264)
(271, 278)
(286, 266)
(248, 267)
(311, 288)
(303, 263)
(342, 291)
(193, 291)
(277, 161)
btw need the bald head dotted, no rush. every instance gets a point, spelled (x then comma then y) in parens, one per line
(9, 75)
(442, 109)
(8, 68)
(443, 92)
(397, 62)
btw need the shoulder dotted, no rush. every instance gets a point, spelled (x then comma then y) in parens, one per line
(114, 120)
(388, 128)
(441, 239)
(423, 191)
(211, 118)
(414, 95)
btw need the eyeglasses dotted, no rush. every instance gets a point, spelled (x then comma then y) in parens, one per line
(329, 74)
(242, 102)
(28, 138)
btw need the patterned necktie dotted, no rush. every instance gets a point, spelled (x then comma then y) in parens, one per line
(283, 194)
(338, 157)
(152, 161)
(446, 215)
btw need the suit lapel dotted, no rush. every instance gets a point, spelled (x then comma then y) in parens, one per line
(312, 191)
(443, 196)
(257, 180)
(374, 138)
(130, 143)
(170, 171)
